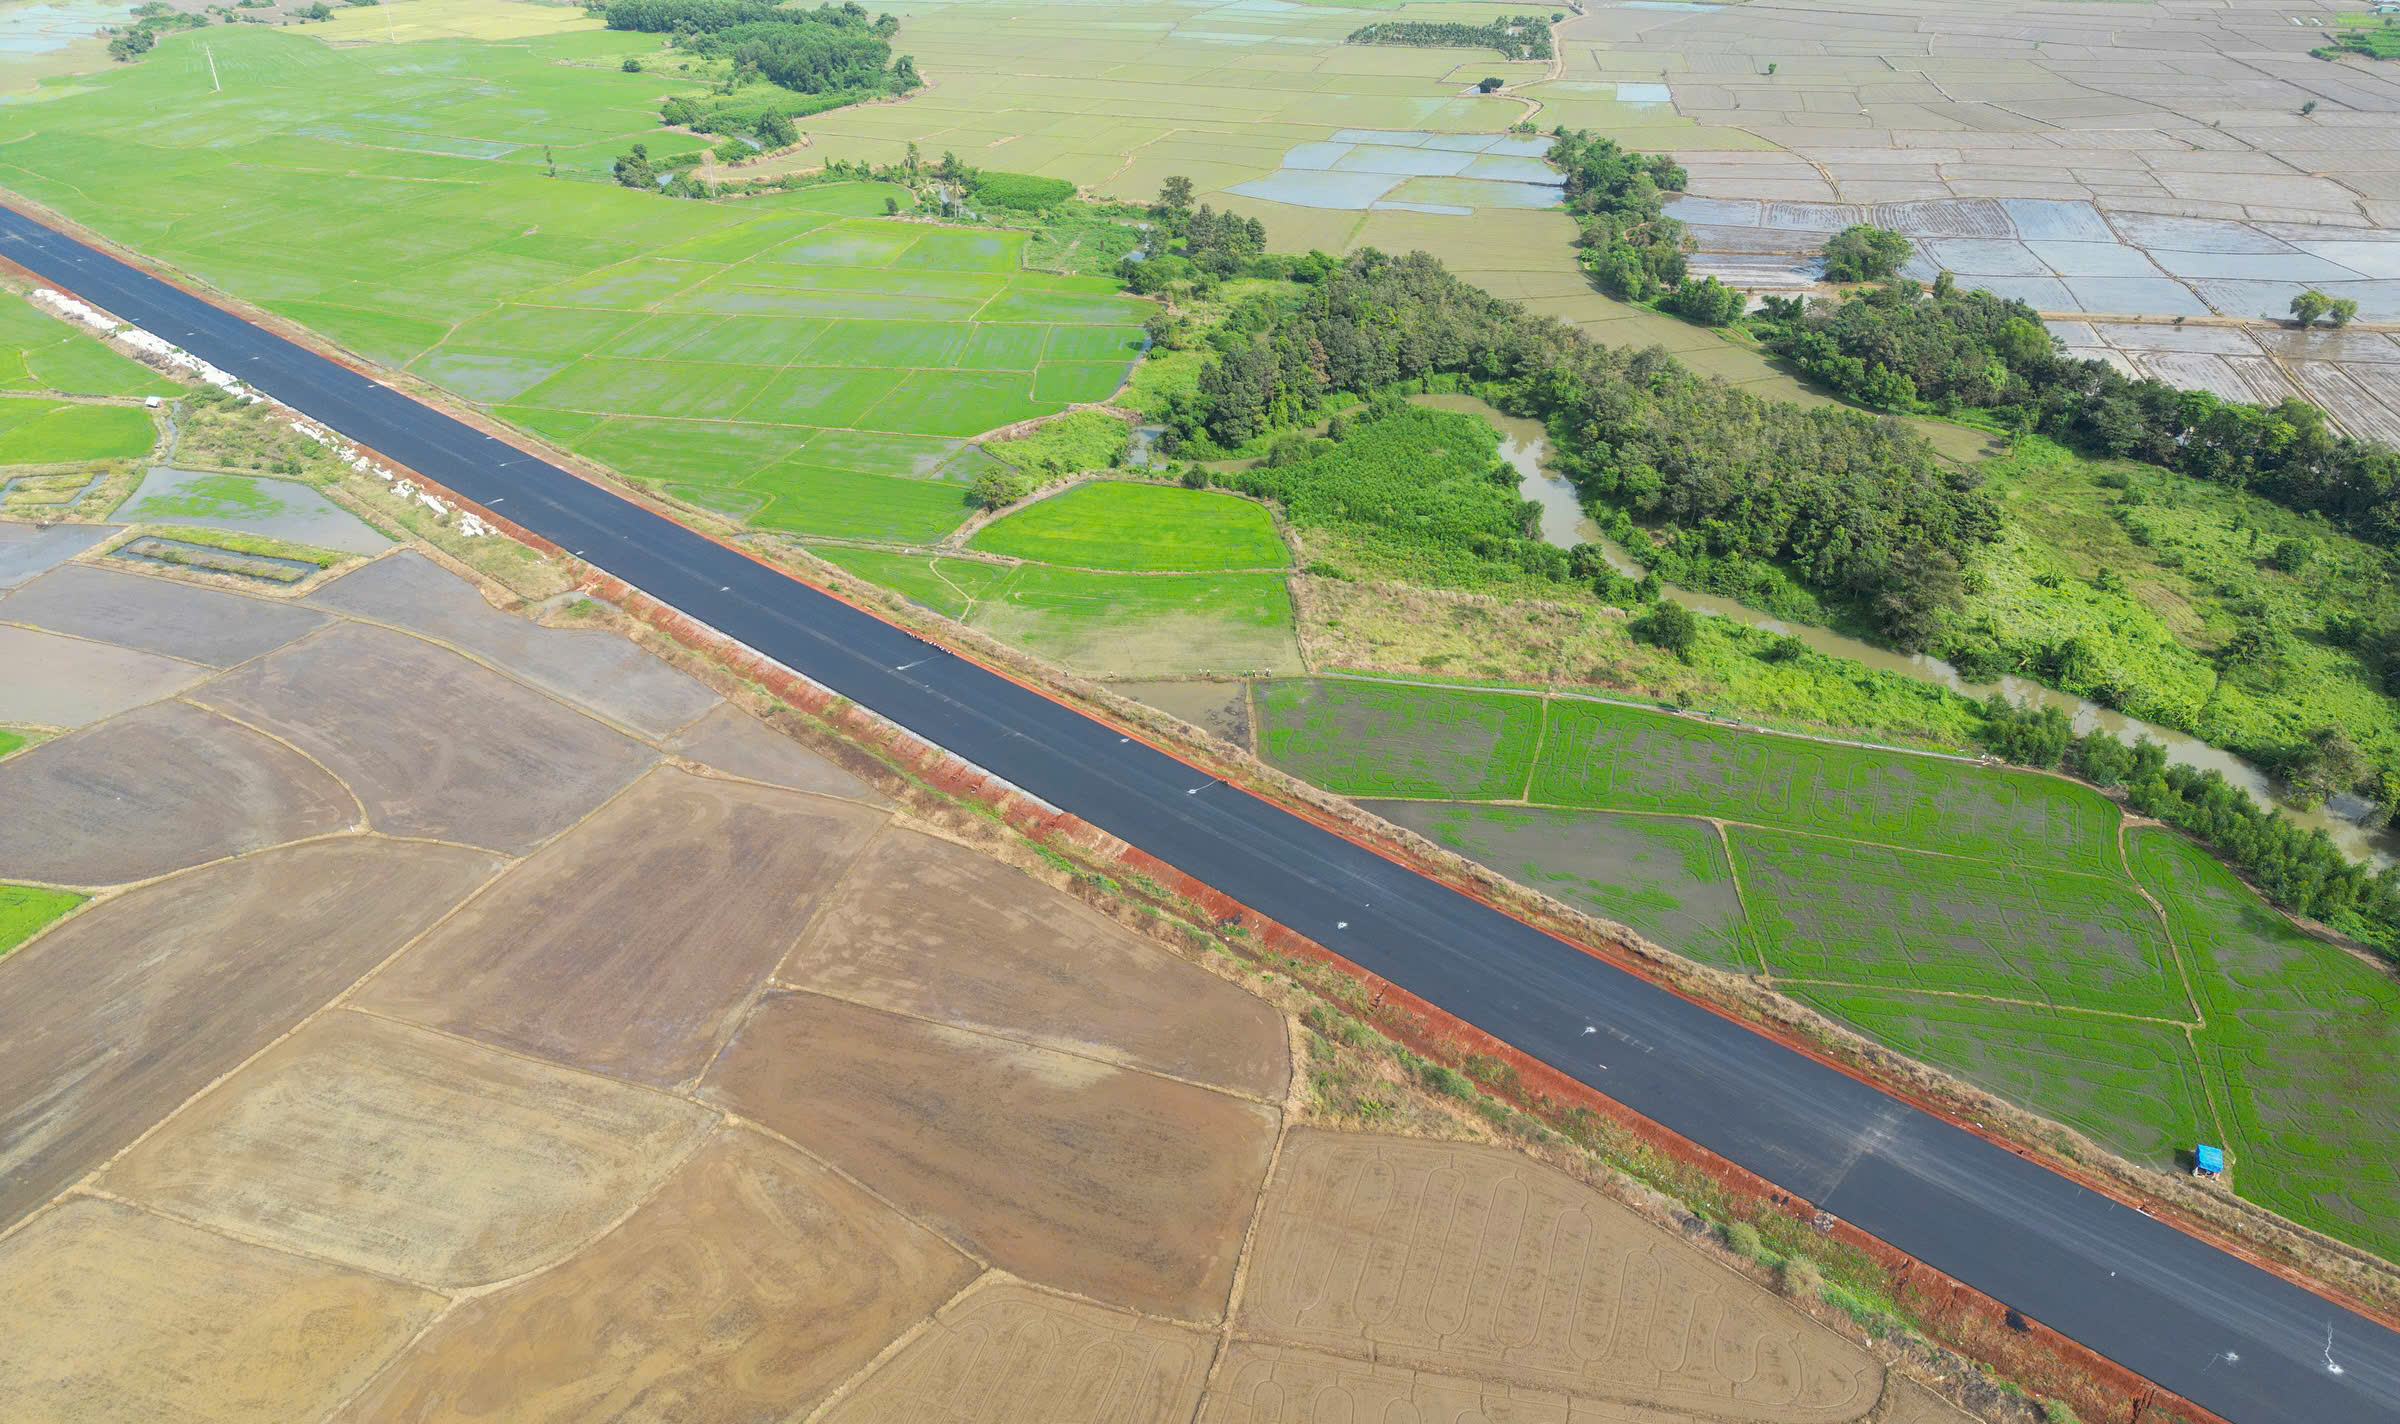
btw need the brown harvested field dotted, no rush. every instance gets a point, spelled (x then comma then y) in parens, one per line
(935, 930)
(135, 1004)
(1008, 1354)
(754, 1283)
(591, 668)
(57, 681)
(158, 616)
(159, 789)
(1096, 1179)
(122, 1315)
(1221, 709)
(1913, 1403)
(434, 744)
(1266, 1384)
(1472, 1261)
(738, 744)
(628, 945)
(401, 1151)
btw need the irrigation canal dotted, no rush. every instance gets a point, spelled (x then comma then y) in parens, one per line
(2238, 1340)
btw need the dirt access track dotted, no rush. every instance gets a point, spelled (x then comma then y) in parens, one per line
(465, 985)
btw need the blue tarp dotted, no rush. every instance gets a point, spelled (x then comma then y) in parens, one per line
(2208, 1159)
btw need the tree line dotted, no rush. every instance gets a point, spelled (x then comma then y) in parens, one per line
(1617, 197)
(1905, 348)
(1858, 507)
(828, 50)
(2302, 870)
(1515, 36)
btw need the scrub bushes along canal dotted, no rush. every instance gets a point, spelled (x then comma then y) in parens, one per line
(1980, 919)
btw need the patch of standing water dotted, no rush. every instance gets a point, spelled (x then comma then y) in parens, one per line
(40, 29)
(1565, 524)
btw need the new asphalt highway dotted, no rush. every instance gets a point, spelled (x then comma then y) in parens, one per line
(2233, 1338)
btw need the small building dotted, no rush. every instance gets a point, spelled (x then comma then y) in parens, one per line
(2208, 1161)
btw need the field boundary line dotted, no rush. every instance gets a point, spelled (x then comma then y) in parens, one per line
(736, 1021)
(1992, 999)
(2166, 926)
(1294, 1101)
(1533, 763)
(1749, 934)
(789, 986)
(94, 1174)
(365, 821)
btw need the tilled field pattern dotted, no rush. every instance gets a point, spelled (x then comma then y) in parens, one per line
(477, 1020)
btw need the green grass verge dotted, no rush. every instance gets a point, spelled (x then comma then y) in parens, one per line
(1369, 739)
(1112, 524)
(25, 909)
(1145, 625)
(40, 352)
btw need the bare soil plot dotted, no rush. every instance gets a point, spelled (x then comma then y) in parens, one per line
(738, 744)
(628, 945)
(27, 552)
(935, 930)
(1466, 1260)
(749, 1287)
(432, 743)
(140, 1317)
(1096, 1179)
(198, 625)
(409, 1154)
(57, 681)
(1267, 1384)
(1221, 708)
(158, 789)
(1008, 1354)
(595, 669)
(1665, 876)
(133, 1005)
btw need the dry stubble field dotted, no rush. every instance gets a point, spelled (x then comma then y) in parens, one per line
(451, 985)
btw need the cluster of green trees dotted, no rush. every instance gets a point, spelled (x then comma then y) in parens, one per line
(1861, 253)
(1023, 191)
(131, 42)
(1617, 197)
(1195, 248)
(1397, 472)
(1515, 36)
(2302, 870)
(1903, 348)
(1859, 508)
(2311, 306)
(828, 50)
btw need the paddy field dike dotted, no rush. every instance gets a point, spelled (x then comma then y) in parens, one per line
(405, 984)
(2010, 927)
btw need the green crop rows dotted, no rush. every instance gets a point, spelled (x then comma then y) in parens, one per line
(795, 359)
(1978, 919)
(1110, 524)
(25, 909)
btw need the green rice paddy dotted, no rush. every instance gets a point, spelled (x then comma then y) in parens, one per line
(1977, 919)
(1112, 524)
(35, 431)
(796, 360)
(25, 909)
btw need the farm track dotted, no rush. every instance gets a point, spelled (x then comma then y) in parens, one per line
(2240, 1341)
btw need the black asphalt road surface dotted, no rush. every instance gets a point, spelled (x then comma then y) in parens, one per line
(2236, 1339)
